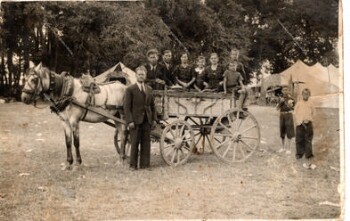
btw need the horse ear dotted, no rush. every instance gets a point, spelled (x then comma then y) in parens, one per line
(38, 67)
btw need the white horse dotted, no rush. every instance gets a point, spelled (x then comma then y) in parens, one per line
(40, 80)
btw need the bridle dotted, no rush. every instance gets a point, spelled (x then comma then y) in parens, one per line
(34, 92)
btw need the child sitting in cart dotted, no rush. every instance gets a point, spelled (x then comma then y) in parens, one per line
(233, 83)
(200, 84)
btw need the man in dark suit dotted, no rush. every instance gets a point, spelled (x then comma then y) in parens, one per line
(167, 68)
(154, 74)
(140, 116)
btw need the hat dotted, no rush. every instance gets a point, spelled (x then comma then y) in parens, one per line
(152, 51)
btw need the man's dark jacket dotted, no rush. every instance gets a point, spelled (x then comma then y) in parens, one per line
(152, 75)
(138, 105)
(167, 73)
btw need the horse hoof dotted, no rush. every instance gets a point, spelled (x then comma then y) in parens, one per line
(119, 162)
(77, 167)
(67, 167)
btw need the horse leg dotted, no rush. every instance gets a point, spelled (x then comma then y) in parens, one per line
(68, 136)
(120, 137)
(75, 128)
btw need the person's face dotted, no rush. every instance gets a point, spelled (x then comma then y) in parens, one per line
(234, 54)
(184, 58)
(141, 76)
(152, 59)
(201, 63)
(305, 95)
(214, 59)
(167, 57)
(232, 67)
(284, 90)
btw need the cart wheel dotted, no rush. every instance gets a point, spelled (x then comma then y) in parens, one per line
(118, 142)
(176, 142)
(235, 136)
(201, 127)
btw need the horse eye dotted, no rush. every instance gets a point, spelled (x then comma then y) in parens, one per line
(35, 80)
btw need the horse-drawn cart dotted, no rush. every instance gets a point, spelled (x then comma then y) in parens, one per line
(190, 120)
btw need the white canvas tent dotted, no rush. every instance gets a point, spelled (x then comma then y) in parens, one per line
(316, 78)
(120, 67)
(325, 83)
(335, 77)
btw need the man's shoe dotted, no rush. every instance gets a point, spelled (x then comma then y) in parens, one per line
(280, 150)
(146, 168)
(306, 166)
(132, 168)
(312, 166)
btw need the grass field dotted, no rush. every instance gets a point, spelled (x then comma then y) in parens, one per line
(269, 185)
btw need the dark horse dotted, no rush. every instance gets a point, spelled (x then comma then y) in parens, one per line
(40, 80)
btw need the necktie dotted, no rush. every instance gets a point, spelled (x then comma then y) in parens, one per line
(143, 90)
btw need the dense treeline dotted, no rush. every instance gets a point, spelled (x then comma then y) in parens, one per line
(81, 36)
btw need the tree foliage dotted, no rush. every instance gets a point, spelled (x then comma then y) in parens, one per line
(82, 36)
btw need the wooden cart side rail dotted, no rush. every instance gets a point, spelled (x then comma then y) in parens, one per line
(190, 94)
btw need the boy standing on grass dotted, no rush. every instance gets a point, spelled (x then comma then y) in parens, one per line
(304, 112)
(286, 120)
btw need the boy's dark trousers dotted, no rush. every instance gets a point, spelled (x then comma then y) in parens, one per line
(303, 139)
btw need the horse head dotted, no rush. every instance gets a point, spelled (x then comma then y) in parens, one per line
(35, 81)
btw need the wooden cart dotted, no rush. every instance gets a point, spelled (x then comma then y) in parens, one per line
(190, 120)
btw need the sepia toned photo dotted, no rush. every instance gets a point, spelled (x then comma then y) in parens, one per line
(170, 109)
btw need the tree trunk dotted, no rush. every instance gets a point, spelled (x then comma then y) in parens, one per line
(10, 66)
(2, 71)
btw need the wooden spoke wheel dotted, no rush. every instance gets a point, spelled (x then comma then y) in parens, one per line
(201, 127)
(235, 136)
(118, 142)
(176, 142)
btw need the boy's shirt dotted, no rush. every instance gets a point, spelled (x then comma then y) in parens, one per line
(286, 105)
(233, 78)
(304, 111)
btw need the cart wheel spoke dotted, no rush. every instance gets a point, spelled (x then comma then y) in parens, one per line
(199, 139)
(221, 144)
(172, 133)
(169, 151)
(249, 128)
(247, 145)
(238, 125)
(173, 156)
(196, 134)
(234, 152)
(249, 137)
(188, 140)
(224, 126)
(178, 156)
(227, 149)
(168, 146)
(186, 147)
